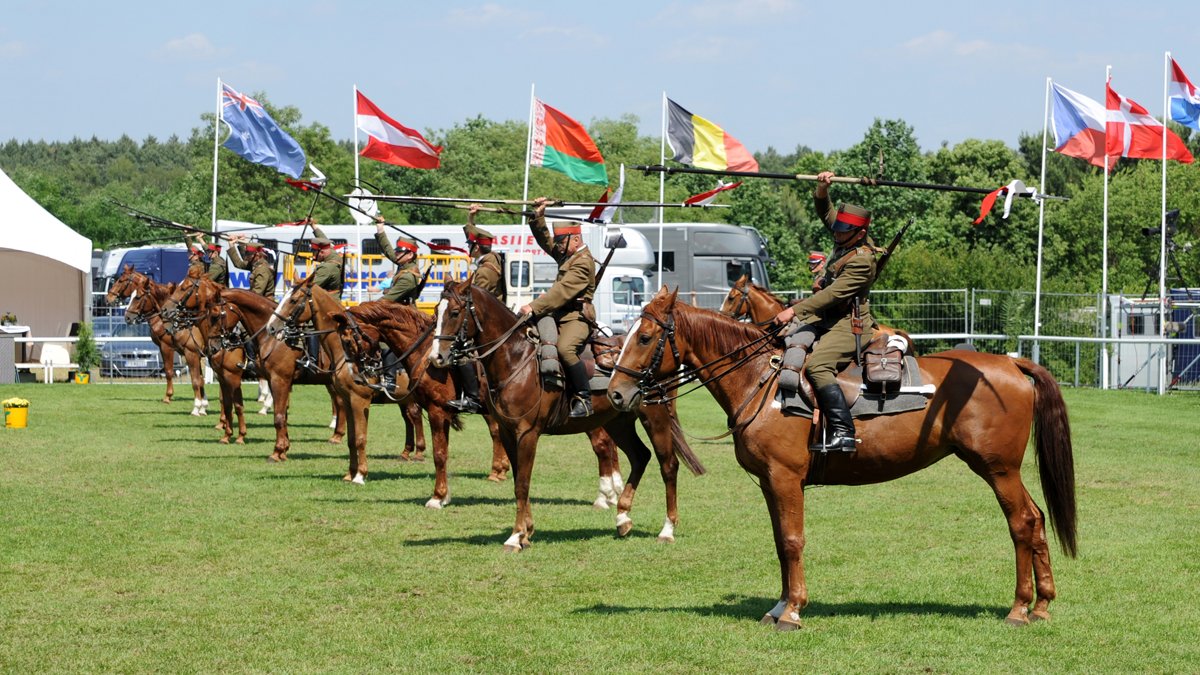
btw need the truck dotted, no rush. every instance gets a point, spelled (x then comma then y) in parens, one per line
(703, 260)
(162, 264)
(528, 270)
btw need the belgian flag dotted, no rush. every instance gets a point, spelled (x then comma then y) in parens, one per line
(698, 142)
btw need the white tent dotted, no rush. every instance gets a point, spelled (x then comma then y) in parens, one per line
(45, 266)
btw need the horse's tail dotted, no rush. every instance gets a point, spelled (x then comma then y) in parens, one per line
(1056, 463)
(684, 451)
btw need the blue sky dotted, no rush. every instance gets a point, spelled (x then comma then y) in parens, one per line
(776, 73)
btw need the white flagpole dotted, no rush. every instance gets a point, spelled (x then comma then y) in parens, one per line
(662, 186)
(216, 145)
(358, 295)
(1037, 293)
(1162, 249)
(528, 146)
(1104, 236)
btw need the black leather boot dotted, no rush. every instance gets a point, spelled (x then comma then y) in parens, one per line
(468, 386)
(839, 425)
(312, 354)
(577, 381)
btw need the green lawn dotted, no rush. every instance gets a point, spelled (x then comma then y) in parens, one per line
(133, 541)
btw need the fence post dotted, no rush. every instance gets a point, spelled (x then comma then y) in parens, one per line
(1076, 365)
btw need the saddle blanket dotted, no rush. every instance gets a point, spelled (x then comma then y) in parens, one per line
(912, 395)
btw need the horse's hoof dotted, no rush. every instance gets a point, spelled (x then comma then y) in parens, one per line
(418, 458)
(786, 625)
(666, 539)
(767, 620)
(335, 439)
(224, 441)
(275, 457)
(264, 411)
(509, 548)
(219, 425)
(166, 400)
(195, 413)
(623, 529)
(241, 440)
(434, 503)
(601, 504)
(1039, 615)
(359, 479)
(496, 477)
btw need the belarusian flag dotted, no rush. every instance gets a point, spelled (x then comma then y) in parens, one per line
(562, 144)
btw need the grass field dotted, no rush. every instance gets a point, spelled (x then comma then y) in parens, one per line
(132, 541)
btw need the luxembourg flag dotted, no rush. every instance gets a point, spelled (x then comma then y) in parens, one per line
(392, 142)
(1184, 101)
(1078, 124)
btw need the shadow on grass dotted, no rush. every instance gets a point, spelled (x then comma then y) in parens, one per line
(456, 500)
(748, 607)
(539, 537)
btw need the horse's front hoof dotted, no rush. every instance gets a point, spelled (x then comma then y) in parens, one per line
(166, 399)
(601, 504)
(219, 425)
(666, 539)
(511, 549)
(1018, 617)
(359, 479)
(496, 477)
(418, 457)
(335, 439)
(767, 620)
(435, 503)
(276, 457)
(623, 529)
(404, 458)
(224, 441)
(241, 440)
(786, 625)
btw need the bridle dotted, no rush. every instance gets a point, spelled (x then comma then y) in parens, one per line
(181, 315)
(742, 304)
(292, 333)
(462, 347)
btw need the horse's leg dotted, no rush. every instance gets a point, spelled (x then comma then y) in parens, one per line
(234, 375)
(281, 391)
(414, 431)
(657, 422)
(418, 429)
(196, 375)
(787, 493)
(225, 394)
(264, 395)
(1025, 522)
(439, 428)
(772, 616)
(604, 447)
(168, 359)
(357, 410)
(339, 415)
(525, 446)
(499, 457)
(623, 432)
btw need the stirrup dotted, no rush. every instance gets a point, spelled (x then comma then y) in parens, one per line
(581, 406)
(466, 404)
(838, 443)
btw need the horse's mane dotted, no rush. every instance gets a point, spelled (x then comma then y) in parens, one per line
(386, 314)
(713, 330)
(490, 302)
(241, 296)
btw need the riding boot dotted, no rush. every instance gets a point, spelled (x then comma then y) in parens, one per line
(312, 353)
(577, 380)
(839, 425)
(387, 375)
(467, 379)
(249, 354)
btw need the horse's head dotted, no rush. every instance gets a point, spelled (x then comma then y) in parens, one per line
(141, 302)
(123, 285)
(296, 307)
(649, 353)
(737, 302)
(219, 323)
(457, 323)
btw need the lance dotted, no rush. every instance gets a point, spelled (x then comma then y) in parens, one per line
(310, 186)
(862, 180)
(453, 203)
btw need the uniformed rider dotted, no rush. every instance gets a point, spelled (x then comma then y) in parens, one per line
(250, 254)
(829, 314)
(568, 301)
(328, 275)
(488, 275)
(406, 282)
(210, 260)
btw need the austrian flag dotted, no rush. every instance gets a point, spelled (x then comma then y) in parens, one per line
(392, 142)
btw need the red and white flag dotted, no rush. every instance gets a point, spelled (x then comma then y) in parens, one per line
(1131, 131)
(705, 198)
(392, 142)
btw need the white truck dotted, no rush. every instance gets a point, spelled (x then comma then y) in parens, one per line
(620, 294)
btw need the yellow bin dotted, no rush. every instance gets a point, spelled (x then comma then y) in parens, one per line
(16, 418)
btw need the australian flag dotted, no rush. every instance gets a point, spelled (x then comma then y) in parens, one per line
(256, 136)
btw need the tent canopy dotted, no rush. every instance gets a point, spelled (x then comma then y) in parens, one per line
(25, 226)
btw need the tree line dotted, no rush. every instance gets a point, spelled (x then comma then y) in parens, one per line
(78, 179)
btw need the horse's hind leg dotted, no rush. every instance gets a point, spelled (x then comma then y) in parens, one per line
(339, 415)
(168, 360)
(610, 476)
(657, 422)
(414, 433)
(1026, 526)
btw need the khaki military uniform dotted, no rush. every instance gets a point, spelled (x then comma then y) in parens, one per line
(218, 271)
(406, 283)
(328, 274)
(489, 275)
(570, 296)
(849, 274)
(262, 274)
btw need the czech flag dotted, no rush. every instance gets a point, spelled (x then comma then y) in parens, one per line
(698, 142)
(560, 143)
(1079, 124)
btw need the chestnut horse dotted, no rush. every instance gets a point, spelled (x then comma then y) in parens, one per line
(147, 301)
(982, 412)
(408, 332)
(276, 359)
(473, 322)
(123, 287)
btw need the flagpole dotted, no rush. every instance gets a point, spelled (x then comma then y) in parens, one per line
(357, 226)
(1104, 217)
(1162, 249)
(662, 185)
(216, 145)
(528, 146)
(1037, 293)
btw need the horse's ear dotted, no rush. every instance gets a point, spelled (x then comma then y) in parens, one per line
(661, 290)
(128, 267)
(170, 286)
(674, 295)
(742, 280)
(339, 318)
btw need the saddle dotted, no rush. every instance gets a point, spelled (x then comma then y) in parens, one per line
(888, 382)
(599, 357)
